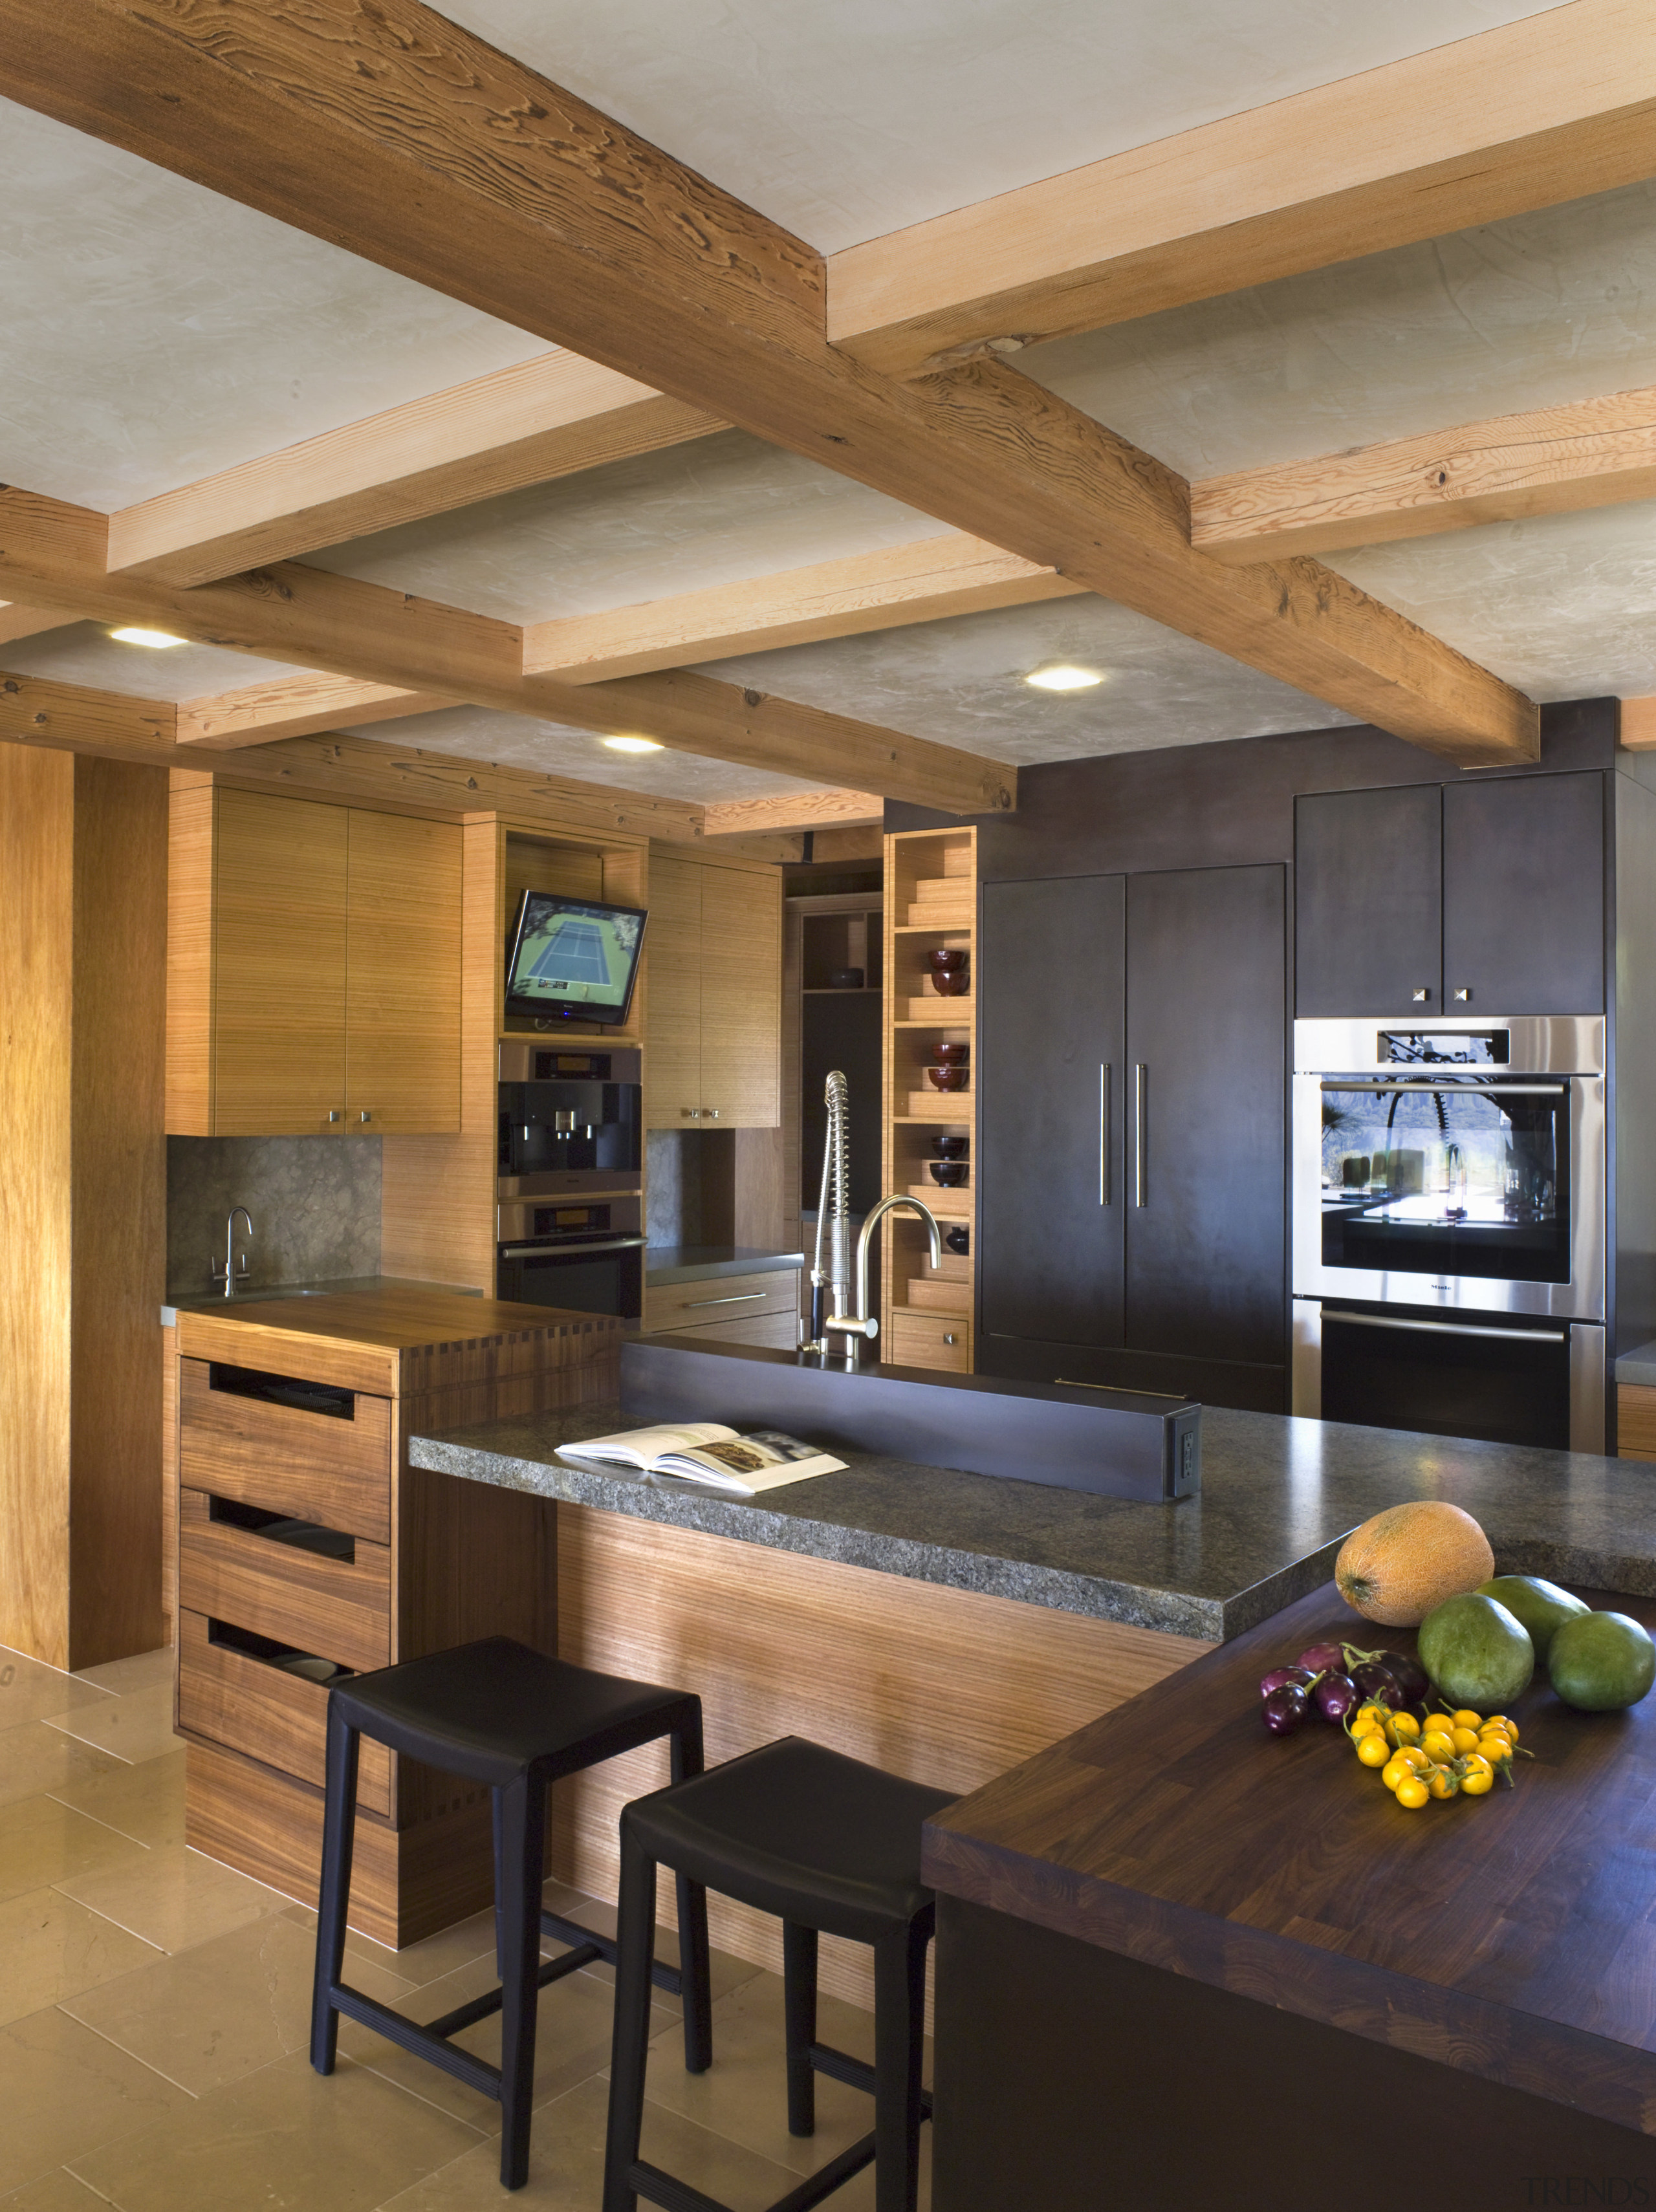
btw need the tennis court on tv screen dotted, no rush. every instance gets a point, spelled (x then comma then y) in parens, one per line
(579, 956)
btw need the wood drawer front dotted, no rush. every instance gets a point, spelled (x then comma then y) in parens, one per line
(339, 1609)
(779, 1331)
(725, 1297)
(255, 1708)
(314, 1466)
(1635, 1420)
(922, 1340)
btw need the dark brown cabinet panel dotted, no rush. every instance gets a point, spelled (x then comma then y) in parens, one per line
(1206, 1029)
(1051, 1083)
(1157, 1260)
(1524, 895)
(1368, 878)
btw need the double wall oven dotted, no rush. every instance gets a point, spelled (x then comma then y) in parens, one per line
(1449, 1227)
(570, 1220)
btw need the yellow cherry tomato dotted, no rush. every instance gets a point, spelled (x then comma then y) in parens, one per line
(1478, 1784)
(1413, 1793)
(1496, 1743)
(1407, 1727)
(1414, 1758)
(1370, 1713)
(1438, 1747)
(1373, 1750)
(1463, 1740)
(1445, 1783)
(1395, 1772)
(1473, 1721)
(1476, 1762)
(1500, 1721)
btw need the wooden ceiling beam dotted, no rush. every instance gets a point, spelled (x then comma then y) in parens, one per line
(1548, 460)
(344, 626)
(402, 137)
(294, 706)
(925, 581)
(1526, 115)
(33, 710)
(527, 424)
(811, 810)
(17, 622)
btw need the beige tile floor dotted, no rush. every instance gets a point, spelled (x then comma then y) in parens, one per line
(155, 2010)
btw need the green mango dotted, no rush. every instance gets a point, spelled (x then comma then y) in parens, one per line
(1601, 1662)
(1477, 1653)
(1541, 1606)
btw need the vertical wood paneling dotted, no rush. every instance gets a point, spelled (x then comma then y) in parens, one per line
(402, 974)
(190, 955)
(674, 940)
(741, 995)
(37, 909)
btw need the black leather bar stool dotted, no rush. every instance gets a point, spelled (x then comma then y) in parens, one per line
(501, 1714)
(830, 1846)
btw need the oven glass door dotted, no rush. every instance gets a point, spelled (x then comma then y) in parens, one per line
(608, 1279)
(1462, 1178)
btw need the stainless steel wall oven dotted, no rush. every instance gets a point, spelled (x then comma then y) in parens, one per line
(1449, 1226)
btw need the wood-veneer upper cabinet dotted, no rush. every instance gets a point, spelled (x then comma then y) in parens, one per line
(714, 949)
(312, 969)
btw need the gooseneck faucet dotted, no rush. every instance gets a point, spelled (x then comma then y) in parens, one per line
(861, 1328)
(231, 1278)
(831, 1286)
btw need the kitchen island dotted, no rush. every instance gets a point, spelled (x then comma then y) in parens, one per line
(949, 1625)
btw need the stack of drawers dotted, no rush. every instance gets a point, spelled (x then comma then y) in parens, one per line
(306, 1544)
(761, 1308)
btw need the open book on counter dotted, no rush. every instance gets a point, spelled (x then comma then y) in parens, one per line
(708, 1454)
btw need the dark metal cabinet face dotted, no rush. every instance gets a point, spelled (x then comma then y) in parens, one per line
(1524, 895)
(1368, 924)
(1050, 985)
(1207, 1025)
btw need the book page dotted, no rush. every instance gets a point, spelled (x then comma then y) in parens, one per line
(644, 1448)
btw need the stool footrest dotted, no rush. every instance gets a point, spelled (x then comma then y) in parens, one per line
(603, 1947)
(425, 2042)
(675, 2196)
(856, 2073)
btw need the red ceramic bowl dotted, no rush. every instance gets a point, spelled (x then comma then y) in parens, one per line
(947, 1078)
(951, 1055)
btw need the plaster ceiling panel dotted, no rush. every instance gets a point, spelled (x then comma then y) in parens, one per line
(961, 682)
(1564, 605)
(154, 332)
(549, 748)
(715, 511)
(85, 654)
(845, 122)
(1548, 307)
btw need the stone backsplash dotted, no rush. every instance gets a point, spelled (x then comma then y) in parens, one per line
(314, 1200)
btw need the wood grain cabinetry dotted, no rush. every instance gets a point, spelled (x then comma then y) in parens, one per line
(715, 950)
(1635, 1420)
(762, 1308)
(303, 1537)
(313, 968)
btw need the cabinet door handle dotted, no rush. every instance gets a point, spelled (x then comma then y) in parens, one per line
(1141, 1126)
(1421, 997)
(949, 1336)
(691, 1113)
(1104, 1133)
(709, 1113)
(736, 1298)
(364, 1115)
(1463, 996)
(336, 1116)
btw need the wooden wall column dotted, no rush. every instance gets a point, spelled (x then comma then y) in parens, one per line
(83, 1203)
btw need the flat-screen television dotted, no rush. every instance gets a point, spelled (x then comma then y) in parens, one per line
(572, 960)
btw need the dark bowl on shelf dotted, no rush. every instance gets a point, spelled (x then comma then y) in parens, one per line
(947, 1078)
(948, 967)
(845, 979)
(950, 1148)
(950, 1173)
(951, 1055)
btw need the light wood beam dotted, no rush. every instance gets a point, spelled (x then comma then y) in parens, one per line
(522, 425)
(1549, 460)
(1638, 725)
(294, 706)
(926, 581)
(33, 710)
(344, 626)
(811, 810)
(17, 622)
(1523, 116)
(468, 172)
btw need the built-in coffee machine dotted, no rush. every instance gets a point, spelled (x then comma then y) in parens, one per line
(570, 1222)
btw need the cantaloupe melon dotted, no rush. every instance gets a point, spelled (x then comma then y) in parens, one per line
(1397, 1567)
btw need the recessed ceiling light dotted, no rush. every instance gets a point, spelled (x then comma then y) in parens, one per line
(158, 638)
(1063, 676)
(631, 745)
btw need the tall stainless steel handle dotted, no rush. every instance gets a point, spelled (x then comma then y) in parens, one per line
(552, 1251)
(1140, 1179)
(1450, 1329)
(1104, 1133)
(736, 1298)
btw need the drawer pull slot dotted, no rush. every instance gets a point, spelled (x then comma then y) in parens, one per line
(283, 1391)
(266, 1648)
(283, 1529)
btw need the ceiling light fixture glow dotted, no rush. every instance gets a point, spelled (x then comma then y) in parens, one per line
(631, 745)
(159, 639)
(1063, 676)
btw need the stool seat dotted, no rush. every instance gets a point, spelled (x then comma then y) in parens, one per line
(800, 1832)
(494, 1709)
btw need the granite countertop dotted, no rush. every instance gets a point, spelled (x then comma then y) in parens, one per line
(1278, 1497)
(180, 1302)
(666, 1264)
